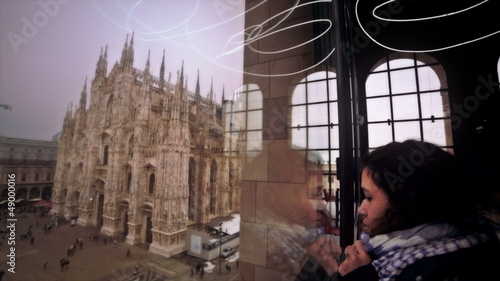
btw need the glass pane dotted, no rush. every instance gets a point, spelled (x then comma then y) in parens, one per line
(403, 81)
(378, 109)
(254, 100)
(334, 154)
(240, 121)
(405, 107)
(254, 140)
(318, 137)
(377, 84)
(299, 138)
(406, 130)
(299, 116)
(435, 132)
(233, 141)
(432, 104)
(318, 156)
(299, 94)
(316, 92)
(379, 134)
(400, 63)
(318, 114)
(334, 113)
(255, 120)
(428, 79)
(334, 137)
(332, 87)
(240, 103)
(321, 75)
(382, 66)
(252, 87)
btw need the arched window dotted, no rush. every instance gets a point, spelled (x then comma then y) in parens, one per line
(407, 98)
(105, 155)
(213, 187)
(314, 115)
(151, 183)
(314, 124)
(191, 180)
(128, 178)
(244, 120)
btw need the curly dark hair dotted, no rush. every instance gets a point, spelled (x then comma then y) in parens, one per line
(424, 183)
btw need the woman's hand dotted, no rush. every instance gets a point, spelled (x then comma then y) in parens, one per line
(355, 256)
(326, 252)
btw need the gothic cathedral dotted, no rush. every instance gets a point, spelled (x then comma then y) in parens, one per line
(146, 159)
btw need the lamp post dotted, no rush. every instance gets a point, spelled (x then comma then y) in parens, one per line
(220, 248)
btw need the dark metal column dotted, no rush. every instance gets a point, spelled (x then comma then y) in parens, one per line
(347, 167)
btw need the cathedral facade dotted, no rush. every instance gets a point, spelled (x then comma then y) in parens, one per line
(146, 159)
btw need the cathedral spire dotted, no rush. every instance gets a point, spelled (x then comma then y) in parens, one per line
(197, 90)
(181, 77)
(83, 96)
(211, 95)
(124, 52)
(147, 63)
(127, 59)
(105, 62)
(162, 69)
(131, 51)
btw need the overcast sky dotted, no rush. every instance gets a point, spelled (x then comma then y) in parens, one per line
(49, 47)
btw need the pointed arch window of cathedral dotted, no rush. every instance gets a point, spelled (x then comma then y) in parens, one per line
(129, 181)
(131, 147)
(105, 155)
(407, 98)
(151, 183)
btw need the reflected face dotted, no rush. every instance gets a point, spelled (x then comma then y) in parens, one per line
(315, 196)
(374, 205)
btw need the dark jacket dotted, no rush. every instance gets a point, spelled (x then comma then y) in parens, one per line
(478, 263)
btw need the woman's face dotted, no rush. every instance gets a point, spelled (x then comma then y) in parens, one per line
(374, 205)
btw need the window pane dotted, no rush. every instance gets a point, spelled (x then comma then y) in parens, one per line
(254, 140)
(240, 121)
(318, 137)
(379, 109)
(334, 154)
(299, 138)
(334, 113)
(332, 86)
(428, 79)
(299, 94)
(234, 141)
(255, 100)
(403, 81)
(432, 104)
(377, 84)
(255, 120)
(299, 116)
(435, 132)
(240, 103)
(252, 87)
(405, 107)
(322, 154)
(406, 130)
(400, 63)
(334, 137)
(379, 134)
(318, 114)
(316, 92)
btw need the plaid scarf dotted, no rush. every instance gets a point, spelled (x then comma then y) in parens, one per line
(394, 251)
